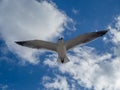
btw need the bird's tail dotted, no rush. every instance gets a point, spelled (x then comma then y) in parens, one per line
(65, 60)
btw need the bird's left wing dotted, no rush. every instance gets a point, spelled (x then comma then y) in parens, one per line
(84, 39)
(38, 44)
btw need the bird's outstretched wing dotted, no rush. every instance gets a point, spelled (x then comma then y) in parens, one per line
(84, 38)
(38, 44)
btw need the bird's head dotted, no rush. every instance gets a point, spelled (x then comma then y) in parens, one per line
(60, 38)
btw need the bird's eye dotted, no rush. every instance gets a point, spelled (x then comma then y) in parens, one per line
(60, 38)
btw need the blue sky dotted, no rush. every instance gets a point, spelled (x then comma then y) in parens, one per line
(93, 66)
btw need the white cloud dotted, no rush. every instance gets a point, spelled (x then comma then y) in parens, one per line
(91, 69)
(59, 83)
(25, 20)
(115, 37)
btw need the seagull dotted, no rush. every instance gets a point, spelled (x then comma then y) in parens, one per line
(61, 47)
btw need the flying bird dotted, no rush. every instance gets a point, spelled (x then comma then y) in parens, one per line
(61, 47)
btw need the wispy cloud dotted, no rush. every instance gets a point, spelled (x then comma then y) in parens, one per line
(91, 69)
(25, 20)
(3, 87)
(58, 83)
(75, 11)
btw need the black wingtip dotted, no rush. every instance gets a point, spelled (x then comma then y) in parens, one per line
(106, 31)
(101, 33)
(20, 43)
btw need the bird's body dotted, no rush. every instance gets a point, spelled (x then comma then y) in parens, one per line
(62, 47)
(62, 53)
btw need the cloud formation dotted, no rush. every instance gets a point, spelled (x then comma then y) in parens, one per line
(28, 20)
(93, 70)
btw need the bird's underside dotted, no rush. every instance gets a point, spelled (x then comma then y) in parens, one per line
(61, 47)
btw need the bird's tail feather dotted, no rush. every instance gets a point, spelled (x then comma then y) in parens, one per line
(65, 60)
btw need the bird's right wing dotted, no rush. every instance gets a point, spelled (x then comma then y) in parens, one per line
(38, 44)
(84, 38)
